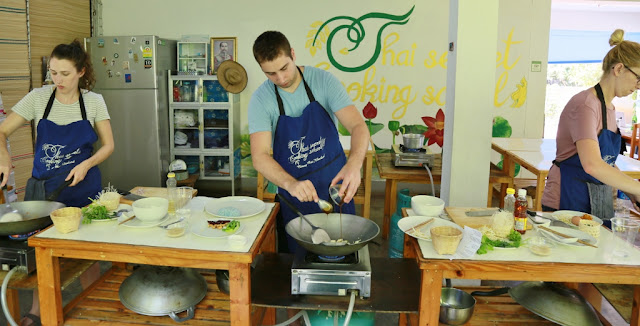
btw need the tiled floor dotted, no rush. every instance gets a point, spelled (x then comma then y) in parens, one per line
(247, 188)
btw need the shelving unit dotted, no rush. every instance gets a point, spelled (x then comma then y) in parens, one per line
(193, 57)
(204, 122)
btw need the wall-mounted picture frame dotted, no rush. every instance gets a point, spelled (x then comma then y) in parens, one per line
(223, 49)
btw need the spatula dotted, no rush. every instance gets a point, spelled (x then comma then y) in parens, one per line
(318, 235)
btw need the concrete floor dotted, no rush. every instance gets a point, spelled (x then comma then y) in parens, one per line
(247, 187)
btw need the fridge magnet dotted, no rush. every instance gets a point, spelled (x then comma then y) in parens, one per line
(133, 40)
(130, 53)
(135, 57)
(223, 49)
(127, 78)
(116, 55)
(104, 61)
(115, 40)
(147, 52)
(125, 65)
(100, 43)
(113, 63)
(147, 63)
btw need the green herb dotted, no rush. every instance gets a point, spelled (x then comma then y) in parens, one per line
(231, 227)
(95, 211)
(514, 241)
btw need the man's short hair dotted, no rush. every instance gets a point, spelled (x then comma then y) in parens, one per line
(269, 45)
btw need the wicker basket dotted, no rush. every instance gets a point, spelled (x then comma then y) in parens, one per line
(445, 239)
(590, 227)
(66, 219)
(110, 200)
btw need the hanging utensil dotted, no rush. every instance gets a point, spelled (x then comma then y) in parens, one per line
(318, 235)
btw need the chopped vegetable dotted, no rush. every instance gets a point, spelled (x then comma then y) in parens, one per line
(95, 211)
(231, 227)
(514, 240)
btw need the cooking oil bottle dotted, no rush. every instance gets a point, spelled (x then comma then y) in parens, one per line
(520, 212)
(510, 200)
(171, 192)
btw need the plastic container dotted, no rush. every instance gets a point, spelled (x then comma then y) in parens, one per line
(396, 236)
(171, 192)
(510, 200)
(540, 246)
(66, 219)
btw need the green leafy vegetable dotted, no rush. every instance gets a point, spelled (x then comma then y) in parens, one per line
(231, 227)
(514, 241)
(95, 211)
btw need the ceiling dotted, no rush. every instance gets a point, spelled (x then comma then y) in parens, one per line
(597, 5)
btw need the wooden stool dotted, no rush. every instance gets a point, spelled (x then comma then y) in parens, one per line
(190, 181)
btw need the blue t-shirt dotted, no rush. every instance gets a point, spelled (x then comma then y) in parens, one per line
(326, 88)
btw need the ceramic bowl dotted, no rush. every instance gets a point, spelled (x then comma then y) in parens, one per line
(150, 209)
(427, 205)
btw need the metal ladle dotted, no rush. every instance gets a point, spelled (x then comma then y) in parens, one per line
(325, 206)
(318, 235)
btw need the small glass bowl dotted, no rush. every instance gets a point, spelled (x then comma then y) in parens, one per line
(541, 246)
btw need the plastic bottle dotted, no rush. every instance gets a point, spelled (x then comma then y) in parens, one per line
(520, 212)
(634, 118)
(510, 200)
(171, 192)
(622, 205)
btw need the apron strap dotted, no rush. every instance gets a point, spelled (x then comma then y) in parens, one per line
(306, 87)
(47, 110)
(603, 105)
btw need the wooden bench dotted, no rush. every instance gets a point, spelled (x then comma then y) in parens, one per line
(362, 197)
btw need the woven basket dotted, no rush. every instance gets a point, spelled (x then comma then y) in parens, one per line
(590, 227)
(66, 219)
(110, 200)
(445, 239)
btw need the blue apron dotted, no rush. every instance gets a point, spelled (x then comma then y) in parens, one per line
(308, 148)
(59, 149)
(579, 191)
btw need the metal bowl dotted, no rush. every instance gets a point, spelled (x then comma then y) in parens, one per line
(456, 306)
(413, 141)
(222, 279)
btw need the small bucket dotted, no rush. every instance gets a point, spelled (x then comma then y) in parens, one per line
(66, 219)
(445, 239)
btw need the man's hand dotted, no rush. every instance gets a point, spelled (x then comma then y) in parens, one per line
(5, 168)
(350, 176)
(304, 191)
(78, 173)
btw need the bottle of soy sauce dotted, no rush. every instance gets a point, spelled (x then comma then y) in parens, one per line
(520, 212)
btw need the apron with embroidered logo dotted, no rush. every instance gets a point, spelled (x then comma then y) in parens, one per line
(579, 191)
(308, 148)
(59, 148)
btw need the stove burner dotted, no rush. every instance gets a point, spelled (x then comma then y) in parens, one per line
(347, 259)
(412, 150)
(20, 237)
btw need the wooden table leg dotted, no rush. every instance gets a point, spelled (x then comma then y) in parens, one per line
(240, 294)
(635, 313)
(430, 291)
(509, 167)
(386, 219)
(13, 304)
(50, 294)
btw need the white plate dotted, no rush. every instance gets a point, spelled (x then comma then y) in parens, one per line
(246, 206)
(121, 206)
(563, 215)
(201, 228)
(137, 223)
(406, 224)
(570, 232)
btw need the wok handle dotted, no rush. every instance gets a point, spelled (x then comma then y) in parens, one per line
(496, 292)
(190, 314)
(54, 195)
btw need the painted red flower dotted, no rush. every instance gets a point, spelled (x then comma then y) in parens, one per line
(369, 111)
(435, 133)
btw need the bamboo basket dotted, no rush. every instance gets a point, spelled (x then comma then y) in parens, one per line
(110, 200)
(66, 219)
(445, 239)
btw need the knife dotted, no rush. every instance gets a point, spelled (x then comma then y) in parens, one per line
(484, 212)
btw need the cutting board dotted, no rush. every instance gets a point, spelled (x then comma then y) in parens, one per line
(149, 192)
(458, 215)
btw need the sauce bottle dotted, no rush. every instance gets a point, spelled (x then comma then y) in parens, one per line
(171, 192)
(520, 212)
(510, 200)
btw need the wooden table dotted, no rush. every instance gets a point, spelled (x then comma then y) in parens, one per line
(582, 265)
(393, 175)
(503, 145)
(539, 163)
(49, 250)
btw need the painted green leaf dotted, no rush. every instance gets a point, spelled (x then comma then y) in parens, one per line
(501, 127)
(517, 169)
(374, 127)
(393, 125)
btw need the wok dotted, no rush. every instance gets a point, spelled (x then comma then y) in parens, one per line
(354, 228)
(35, 216)
(552, 301)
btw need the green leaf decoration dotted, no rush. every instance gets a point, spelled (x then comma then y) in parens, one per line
(499, 165)
(342, 130)
(501, 127)
(374, 127)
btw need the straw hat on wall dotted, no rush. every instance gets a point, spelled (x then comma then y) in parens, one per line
(232, 76)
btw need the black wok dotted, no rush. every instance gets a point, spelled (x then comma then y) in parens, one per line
(354, 229)
(35, 216)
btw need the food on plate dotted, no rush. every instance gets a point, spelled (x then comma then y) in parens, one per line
(502, 224)
(229, 212)
(109, 198)
(576, 219)
(11, 217)
(95, 211)
(229, 226)
(513, 240)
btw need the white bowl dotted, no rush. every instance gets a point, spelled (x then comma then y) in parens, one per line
(150, 209)
(427, 205)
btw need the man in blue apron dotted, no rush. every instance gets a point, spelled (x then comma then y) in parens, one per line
(293, 112)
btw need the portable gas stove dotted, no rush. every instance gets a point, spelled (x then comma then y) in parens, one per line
(412, 157)
(329, 275)
(17, 253)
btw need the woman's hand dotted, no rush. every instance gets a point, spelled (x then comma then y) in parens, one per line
(78, 172)
(5, 167)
